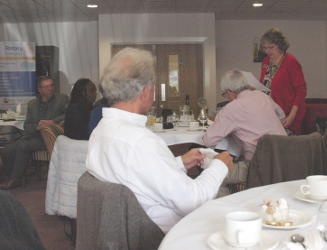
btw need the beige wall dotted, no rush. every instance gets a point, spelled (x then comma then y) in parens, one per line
(234, 42)
(162, 28)
(85, 46)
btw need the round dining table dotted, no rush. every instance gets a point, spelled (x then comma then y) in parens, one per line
(180, 135)
(185, 135)
(196, 229)
(17, 123)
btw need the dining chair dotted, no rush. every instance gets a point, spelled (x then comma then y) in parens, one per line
(66, 166)
(110, 217)
(283, 158)
(40, 158)
(17, 230)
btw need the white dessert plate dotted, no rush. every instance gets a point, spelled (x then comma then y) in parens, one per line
(303, 197)
(298, 218)
(216, 241)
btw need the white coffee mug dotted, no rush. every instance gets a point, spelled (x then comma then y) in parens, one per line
(316, 187)
(157, 126)
(243, 228)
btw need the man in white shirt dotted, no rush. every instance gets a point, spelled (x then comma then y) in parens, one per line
(122, 150)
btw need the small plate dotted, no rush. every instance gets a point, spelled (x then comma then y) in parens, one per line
(299, 219)
(303, 197)
(216, 241)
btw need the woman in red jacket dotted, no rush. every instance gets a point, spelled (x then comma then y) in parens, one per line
(282, 74)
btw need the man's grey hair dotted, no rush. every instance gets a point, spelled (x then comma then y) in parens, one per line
(127, 73)
(235, 81)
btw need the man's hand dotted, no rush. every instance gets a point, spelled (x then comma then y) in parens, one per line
(288, 121)
(226, 158)
(43, 123)
(192, 158)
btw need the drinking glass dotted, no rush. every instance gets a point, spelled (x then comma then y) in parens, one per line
(202, 119)
(175, 118)
(151, 115)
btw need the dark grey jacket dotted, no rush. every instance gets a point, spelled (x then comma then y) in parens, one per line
(54, 110)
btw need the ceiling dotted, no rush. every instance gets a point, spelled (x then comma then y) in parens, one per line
(75, 10)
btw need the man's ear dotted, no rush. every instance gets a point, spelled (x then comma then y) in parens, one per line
(146, 91)
(143, 92)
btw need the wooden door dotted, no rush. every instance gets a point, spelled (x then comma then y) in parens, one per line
(180, 68)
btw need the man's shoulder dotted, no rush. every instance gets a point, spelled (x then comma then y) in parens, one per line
(34, 101)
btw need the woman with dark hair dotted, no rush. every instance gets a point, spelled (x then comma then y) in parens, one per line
(282, 74)
(77, 115)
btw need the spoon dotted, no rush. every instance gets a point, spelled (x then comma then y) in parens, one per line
(323, 232)
(297, 238)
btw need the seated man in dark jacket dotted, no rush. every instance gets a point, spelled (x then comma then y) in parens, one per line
(45, 109)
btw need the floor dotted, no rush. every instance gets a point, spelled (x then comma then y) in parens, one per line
(51, 229)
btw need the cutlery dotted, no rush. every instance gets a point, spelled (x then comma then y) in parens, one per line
(298, 238)
(322, 232)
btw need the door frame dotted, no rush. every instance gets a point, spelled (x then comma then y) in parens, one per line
(209, 60)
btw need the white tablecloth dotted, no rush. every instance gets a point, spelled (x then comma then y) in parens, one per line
(193, 230)
(17, 124)
(179, 135)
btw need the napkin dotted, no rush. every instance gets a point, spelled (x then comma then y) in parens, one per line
(210, 154)
(312, 241)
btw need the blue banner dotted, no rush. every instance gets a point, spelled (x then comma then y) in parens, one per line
(17, 69)
(17, 84)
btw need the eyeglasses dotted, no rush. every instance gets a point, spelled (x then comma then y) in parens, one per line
(269, 47)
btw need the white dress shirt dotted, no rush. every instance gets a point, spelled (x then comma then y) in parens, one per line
(122, 150)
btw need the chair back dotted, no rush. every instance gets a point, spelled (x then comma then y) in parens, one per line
(16, 230)
(49, 134)
(66, 166)
(283, 158)
(110, 217)
(42, 157)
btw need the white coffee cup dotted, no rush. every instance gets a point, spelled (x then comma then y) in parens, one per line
(243, 229)
(157, 126)
(316, 187)
(194, 125)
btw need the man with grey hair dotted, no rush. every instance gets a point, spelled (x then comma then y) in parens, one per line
(249, 114)
(122, 150)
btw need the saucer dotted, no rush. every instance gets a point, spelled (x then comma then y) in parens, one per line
(299, 219)
(307, 198)
(216, 241)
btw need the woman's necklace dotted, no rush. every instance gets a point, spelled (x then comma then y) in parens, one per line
(273, 67)
(272, 70)
(278, 61)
